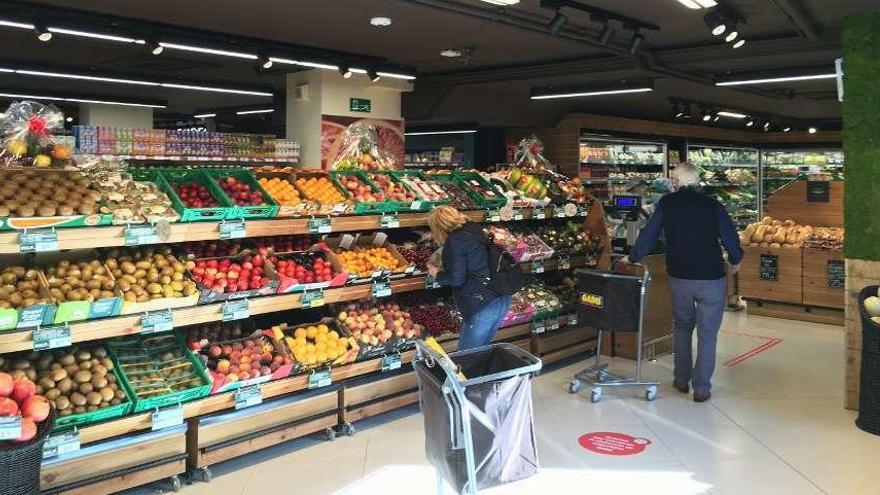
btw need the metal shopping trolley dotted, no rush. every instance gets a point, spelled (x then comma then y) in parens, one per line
(479, 431)
(612, 302)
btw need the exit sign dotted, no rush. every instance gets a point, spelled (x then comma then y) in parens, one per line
(359, 105)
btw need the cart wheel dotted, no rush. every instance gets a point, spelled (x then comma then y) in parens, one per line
(330, 433)
(651, 393)
(602, 376)
(574, 386)
(347, 429)
(203, 474)
(172, 484)
(595, 395)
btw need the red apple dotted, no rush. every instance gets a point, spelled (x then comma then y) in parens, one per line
(8, 407)
(28, 430)
(22, 389)
(36, 408)
(5, 385)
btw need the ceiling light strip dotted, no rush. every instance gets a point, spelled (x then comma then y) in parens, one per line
(592, 93)
(733, 115)
(432, 133)
(78, 100)
(767, 80)
(393, 75)
(86, 34)
(84, 77)
(250, 112)
(209, 51)
(205, 115)
(215, 89)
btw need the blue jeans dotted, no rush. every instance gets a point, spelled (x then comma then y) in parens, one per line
(700, 304)
(481, 329)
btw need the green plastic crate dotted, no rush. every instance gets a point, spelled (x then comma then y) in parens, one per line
(169, 177)
(107, 413)
(464, 177)
(449, 178)
(174, 398)
(424, 204)
(267, 210)
(364, 208)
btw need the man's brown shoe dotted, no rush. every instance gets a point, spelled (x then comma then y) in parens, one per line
(698, 397)
(681, 387)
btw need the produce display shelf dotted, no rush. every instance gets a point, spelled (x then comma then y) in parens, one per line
(621, 164)
(177, 158)
(130, 324)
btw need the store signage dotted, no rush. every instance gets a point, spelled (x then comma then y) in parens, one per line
(167, 418)
(836, 274)
(553, 323)
(249, 396)
(389, 221)
(312, 298)
(319, 226)
(162, 321)
(32, 316)
(361, 105)
(818, 191)
(38, 241)
(391, 362)
(235, 310)
(320, 378)
(138, 235)
(46, 338)
(769, 267)
(10, 427)
(233, 229)
(61, 443)
(611, 443)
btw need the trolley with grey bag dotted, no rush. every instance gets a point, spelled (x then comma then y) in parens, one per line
(612, 302)
(477, 408)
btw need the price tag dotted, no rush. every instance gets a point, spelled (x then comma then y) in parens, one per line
(573, 321)
(31, 317)
(233, 229)
(10, 427)
(138, 235)
(539, 213)
(381, 287)
(319, 226)
(391, 362)
(416, 205)
(38, 241)
(517, 215)
(493, 215)
(249, 396)
(339, 208)
(553, 324)
(320, 378)
(167, 418)
(538, 266)
(46, 338)
(564, 262)
(389, 221)
(431, 283)
(559, 211)
(235, 310)
(539, 326)
(312, 299)
(157, 322)
(61, 443)
(582, 210)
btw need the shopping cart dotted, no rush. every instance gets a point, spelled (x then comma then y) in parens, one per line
(479, 431)
(612, 302)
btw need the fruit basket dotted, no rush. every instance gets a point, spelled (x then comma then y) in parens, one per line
(245, 193)
(457, 194)
(330, 197)
(366, 257)
(232, 277)
(309, 344)
(515, 198)
(368, 197)
(480, 189)
(280, 187)
(308, 270)
(25, 301)
(43, 190)
(167, 286)
(195, 195)
(159, 370)
(379, 329)
(80, 286)
(428, 193)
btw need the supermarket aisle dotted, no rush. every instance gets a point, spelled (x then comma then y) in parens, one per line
(775, 425)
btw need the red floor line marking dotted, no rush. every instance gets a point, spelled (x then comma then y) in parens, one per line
(752, 353)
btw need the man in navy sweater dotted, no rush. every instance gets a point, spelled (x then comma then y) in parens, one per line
(695, 228)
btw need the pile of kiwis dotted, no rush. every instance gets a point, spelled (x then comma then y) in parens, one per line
(20, 288)
(80, 281)
(42, 193)
(75, 380)
(144, 274)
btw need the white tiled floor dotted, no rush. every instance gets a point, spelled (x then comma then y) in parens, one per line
(775, 425)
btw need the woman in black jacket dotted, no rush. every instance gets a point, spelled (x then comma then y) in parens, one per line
(466, 270)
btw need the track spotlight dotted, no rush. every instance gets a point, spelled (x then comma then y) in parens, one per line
(739, 43)
(635, 44)
(716, 116)
(767, 126)
(606, 34)
(557, 23)
(732, 34)
(43, 33)
(346, 73)
(374, 77)
(706, 116)
(812, 130)
(155, 47)
(750, 122)
(266, 62)
(716, 22)
(786, 128)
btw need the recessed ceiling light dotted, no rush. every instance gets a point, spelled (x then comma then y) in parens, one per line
(69, 119)
(733, 115)
(731, 35)
(380, 21)
(503, 3)
(812, 130)
(451, 53)
(739, 43)
(698, 4)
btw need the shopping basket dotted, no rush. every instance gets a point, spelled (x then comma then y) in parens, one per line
(611, 302)
(479, 430)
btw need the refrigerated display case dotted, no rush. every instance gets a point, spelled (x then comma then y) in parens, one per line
(607, 164)
(783, 167)
(730, 175)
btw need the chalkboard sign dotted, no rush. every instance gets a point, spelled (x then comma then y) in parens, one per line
(770, 267)
(818, 191)
(836, 274)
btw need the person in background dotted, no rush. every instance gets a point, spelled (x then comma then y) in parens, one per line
(465, 269)
(696, 227)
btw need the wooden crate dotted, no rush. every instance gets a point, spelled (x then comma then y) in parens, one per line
(788, 288)
(800, 312)
(369, 397)
(791, 202)
(817, 291)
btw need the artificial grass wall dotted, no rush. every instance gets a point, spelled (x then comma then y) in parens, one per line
(861, 135)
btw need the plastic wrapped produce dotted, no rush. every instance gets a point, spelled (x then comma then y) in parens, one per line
(27, 128)
(360, 150)
(529, 155)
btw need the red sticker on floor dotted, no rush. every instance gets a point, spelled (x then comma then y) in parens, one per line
(610, 443)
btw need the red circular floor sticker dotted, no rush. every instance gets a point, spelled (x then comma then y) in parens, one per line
(610, 443)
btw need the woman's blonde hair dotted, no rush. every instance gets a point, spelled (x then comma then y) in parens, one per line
(443, 220)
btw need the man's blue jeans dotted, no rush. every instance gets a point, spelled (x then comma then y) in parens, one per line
(481, 329)
(700, 304)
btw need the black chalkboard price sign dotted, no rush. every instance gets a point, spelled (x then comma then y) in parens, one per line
(836, 274)
(770, 267)
(818, 191)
